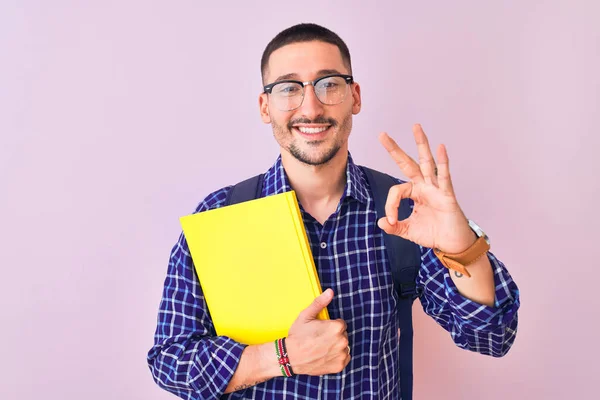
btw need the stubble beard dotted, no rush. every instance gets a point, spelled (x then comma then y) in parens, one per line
(341, 131)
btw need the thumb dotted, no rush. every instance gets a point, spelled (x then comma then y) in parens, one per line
(311, 312)
(400, 228)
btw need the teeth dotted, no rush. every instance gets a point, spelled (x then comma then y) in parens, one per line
(312, 130)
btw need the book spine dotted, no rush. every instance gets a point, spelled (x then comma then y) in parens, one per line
(309, 261)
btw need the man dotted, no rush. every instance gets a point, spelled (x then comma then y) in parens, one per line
(309, 99)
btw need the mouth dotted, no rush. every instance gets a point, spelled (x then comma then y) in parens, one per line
(312, 132)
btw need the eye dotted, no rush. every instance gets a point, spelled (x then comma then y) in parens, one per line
(286, 89)
(330, 84)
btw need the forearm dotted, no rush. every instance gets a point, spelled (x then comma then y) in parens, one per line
(192, 366)
(481, 328)
(480, 286)
(257, 364)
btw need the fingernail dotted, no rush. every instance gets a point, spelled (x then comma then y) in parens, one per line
(391, 220)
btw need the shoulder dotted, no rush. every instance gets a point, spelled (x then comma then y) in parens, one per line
(220, 197)
(214, 200)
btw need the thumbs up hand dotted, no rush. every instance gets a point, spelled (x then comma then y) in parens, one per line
(317, 347)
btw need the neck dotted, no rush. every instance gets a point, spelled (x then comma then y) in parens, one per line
(317, 186)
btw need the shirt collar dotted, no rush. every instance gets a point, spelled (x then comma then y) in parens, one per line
(276, 181)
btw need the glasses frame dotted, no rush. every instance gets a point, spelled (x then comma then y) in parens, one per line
(268, 89)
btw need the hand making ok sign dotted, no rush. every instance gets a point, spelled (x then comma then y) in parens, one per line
(437, 220)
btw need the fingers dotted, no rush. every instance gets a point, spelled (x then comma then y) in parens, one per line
(347, 351)
(341, 362)
(395, 195)
(426, 160)
(408, 166)
(400, 228)
(347, 360)
(390, 223)
(444, 180)
(311, 312)
(344, 349)
(341, 325)
(343, 345)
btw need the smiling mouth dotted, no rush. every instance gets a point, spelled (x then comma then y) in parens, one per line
(311, 131)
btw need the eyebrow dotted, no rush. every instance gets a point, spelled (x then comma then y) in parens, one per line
(294, 75)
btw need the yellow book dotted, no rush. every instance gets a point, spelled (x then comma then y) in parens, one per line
(255, 266)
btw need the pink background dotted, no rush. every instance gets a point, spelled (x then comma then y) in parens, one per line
(118, 117)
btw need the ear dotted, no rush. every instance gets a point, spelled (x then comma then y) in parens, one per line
(263, 104)
(356, 100)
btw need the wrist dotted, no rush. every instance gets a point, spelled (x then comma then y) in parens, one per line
(282, 358)
(458, 244)
(470, 239)
(466, 242)
(268, 361)
(292, 351)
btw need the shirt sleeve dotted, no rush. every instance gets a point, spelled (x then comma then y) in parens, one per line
(187, 358)
(473, 326)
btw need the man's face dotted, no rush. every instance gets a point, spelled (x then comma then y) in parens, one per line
(314, 133)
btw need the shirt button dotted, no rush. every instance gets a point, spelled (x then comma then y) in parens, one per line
(323, 245)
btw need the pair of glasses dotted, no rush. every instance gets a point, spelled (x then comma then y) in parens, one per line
(288, 95)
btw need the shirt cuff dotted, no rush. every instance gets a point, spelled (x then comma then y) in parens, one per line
(218, 360)
(506, 300)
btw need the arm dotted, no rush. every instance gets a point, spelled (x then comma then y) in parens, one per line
(480, 286)
(258, 363)
(314, 347)
(488, 330)
(188, 360)
(481, 313)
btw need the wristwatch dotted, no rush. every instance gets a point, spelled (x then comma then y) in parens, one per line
(459, 261)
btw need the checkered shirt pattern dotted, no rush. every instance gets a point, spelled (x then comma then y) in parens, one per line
(190, 361)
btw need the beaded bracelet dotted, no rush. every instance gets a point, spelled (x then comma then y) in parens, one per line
(282, 358)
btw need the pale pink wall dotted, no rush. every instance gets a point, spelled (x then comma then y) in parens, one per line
(106, 113)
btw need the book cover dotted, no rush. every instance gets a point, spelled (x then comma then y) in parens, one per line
(255, 266)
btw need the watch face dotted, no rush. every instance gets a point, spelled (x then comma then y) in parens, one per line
(478, 231)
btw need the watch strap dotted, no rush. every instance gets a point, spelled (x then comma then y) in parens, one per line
(459, 261)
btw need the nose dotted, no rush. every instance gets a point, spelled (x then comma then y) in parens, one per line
(311, 107)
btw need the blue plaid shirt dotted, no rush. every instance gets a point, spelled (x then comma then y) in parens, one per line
(189, 360)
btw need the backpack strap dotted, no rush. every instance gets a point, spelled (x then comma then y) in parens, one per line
(405, 260)
(249, 189)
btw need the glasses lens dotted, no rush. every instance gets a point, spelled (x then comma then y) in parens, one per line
(287, 95)
(331, 90)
